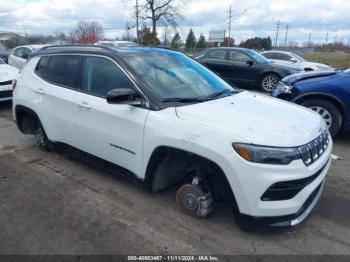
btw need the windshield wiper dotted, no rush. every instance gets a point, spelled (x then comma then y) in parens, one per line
(183, 100)
(220, 93)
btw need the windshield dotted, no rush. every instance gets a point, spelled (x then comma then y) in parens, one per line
(347, 70)
(258, 57)
(173, 75)
(1, 61)
(297, 57)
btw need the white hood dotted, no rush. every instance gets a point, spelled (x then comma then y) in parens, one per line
(258, 119)
(8, 73)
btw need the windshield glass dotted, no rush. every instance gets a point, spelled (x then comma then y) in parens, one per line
(297, 57)
(347, 70)
(1, 61)
(258, 57)
(173, 75)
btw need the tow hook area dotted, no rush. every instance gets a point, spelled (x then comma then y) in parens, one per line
(194, 199)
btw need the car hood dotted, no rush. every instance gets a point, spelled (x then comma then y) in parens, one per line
(257, 119)
(7, 73)
(292, 79)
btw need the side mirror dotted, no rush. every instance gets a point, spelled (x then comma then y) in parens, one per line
(250, 62)
(123, 96)
(294, 60)
(25, 56)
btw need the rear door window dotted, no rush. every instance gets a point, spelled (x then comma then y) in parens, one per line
(63, 70)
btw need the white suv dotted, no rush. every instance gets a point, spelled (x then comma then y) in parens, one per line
(168, 120)
(19, 55)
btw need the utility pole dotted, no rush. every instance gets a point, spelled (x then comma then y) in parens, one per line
(335, 39)
(229, 25)
(327, 38)
(286, 37)
(309, 42)
(137, 21)
(277, 32)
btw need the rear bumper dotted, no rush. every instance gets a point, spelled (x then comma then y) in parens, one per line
(250, 222)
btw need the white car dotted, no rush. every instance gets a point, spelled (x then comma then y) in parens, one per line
(7, 75)
(116, 43)
(168, 120)
(19, 55)
(290, 58)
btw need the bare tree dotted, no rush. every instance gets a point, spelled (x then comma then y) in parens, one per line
(88, 32)
(166, 12)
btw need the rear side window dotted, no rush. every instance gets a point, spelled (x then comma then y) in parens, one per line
(63, 70)
(18, 52)
(269, 55)
(217, 54)
(101, 75)
(40, 69)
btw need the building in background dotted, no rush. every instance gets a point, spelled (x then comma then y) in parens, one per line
(216, 38)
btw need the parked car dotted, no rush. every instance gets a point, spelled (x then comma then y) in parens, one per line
(116, 43)
(245, 68)
(327, 93)
(4, 55)
(290, 58)
(7, 75)
(19, 55)
(168, 120)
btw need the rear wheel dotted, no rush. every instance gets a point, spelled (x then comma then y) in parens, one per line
(329, 112)
(269, 82)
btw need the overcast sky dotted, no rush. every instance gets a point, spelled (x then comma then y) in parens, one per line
(250, 17)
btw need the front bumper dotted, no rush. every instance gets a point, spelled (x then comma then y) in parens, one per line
(249, 222)
(302, 184)
(5, 93)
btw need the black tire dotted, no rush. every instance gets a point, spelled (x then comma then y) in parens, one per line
(330, 108)
(41, 140)
(269, 82)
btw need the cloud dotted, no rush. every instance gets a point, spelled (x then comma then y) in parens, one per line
(250, 18)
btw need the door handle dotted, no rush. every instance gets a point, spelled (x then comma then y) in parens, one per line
(40, 91)
(84, 105)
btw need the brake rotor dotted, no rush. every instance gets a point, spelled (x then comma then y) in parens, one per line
(187, 199)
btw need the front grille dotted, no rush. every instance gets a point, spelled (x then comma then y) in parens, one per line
(312, 151)
(289, 189)
(5, 94)
(6, 83)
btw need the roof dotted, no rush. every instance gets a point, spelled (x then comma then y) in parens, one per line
(101, 50)
(32, 46)
(276, 51)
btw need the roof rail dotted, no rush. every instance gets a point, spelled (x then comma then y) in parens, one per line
(81, 45)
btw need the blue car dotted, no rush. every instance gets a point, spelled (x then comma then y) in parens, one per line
(327, 93)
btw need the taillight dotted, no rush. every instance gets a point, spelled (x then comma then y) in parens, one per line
(14, 83)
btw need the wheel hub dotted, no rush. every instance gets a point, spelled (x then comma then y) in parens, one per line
(325, 114)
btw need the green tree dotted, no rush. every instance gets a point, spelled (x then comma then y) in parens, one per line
(191, 41)
(266, 43)
(146, 37)
(202, 43)
(175, 43)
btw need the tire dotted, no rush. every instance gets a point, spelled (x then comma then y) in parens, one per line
(269, 82)
(329, 112)
(41, 140)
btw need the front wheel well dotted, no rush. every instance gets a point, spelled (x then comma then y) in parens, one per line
(27, 120)
(169, 166)
(330, 99)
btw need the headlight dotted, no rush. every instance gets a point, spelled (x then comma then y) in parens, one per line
(267, 155)
(286, 88)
